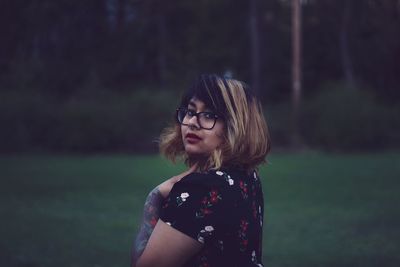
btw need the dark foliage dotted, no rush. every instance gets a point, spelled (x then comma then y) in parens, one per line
(57, 58)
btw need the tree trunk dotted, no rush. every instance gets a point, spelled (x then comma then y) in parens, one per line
(255, 47)
(162, 42)
(296, 72)
(347, 64)
(120, 19)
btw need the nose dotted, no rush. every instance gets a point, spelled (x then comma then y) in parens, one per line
(194, 122)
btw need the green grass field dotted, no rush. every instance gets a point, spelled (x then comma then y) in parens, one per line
(321, 210)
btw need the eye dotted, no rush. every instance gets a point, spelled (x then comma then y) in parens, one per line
(190, 112)
(209, 115)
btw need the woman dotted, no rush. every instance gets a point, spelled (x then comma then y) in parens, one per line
(212, 214)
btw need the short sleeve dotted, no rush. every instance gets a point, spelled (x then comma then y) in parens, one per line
(194, 207)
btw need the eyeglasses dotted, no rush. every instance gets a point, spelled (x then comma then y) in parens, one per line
(206, 120)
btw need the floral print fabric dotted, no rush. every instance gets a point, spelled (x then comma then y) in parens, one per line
(223, 210)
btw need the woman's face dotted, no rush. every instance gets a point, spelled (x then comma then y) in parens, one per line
(198, 141)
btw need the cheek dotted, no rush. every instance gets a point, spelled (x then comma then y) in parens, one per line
(183, 130)
(218, 136)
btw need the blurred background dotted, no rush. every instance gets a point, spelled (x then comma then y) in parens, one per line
(86, 87)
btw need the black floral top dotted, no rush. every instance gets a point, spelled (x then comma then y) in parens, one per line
(222, 209)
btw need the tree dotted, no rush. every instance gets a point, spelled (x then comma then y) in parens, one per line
(255, 46)
(296, 70)
(347, 64)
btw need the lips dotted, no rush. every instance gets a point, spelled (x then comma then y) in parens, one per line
(191, 136)
(194, 136)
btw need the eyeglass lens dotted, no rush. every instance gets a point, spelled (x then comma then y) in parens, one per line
(206, 120)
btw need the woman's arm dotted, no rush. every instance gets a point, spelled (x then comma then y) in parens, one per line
(167, 247)
(151, 214)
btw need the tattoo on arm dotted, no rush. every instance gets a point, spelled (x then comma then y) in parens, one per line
(151, 214)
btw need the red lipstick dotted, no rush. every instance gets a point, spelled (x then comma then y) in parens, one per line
(192, 138)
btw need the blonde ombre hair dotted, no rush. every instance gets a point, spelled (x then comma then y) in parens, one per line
(246, 139)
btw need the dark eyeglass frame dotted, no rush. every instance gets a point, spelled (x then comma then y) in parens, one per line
(196, 114)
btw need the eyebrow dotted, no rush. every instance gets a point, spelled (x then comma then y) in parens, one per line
(191, 103)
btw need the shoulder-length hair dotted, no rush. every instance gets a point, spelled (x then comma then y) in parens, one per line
(246, 140)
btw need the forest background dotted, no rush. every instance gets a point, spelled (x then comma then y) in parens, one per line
(86, 86)
(105, 76)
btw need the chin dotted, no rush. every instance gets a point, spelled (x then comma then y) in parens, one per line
(194, 151)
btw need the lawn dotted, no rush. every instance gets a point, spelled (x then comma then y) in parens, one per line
(321, 209)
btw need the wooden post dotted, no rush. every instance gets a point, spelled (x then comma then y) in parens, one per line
(255, 47)
(296, 71)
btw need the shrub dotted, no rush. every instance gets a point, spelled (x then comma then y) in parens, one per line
(25, 118)
(343, 118)
(93, 121)
(278, 118)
